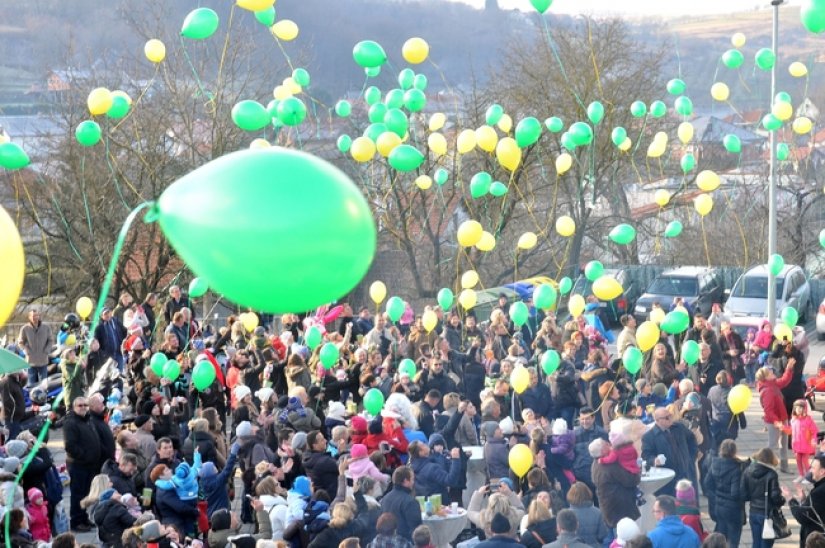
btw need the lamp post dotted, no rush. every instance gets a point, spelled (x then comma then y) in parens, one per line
(772, 182)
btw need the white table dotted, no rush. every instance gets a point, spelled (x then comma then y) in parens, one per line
(476, 472)
(445, 529)
(652, 481)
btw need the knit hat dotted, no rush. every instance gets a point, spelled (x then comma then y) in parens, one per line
(34, 494)
(221, 520)
(660, 390)
(507, 426)
(336, 411)
(508, 482)
(640, 384)
(685, 493)
(127, 499)
(264, 394)
(207, 470)
(500, 524)
(241, 391)
(617, 438)
(283, 401)
(559, 427)
(16, 448)
(141, 420)
(106, 495)
(436, 439)
(301, 486)
(150, 531)
(626, 529)
(359, 423)
(359, 451)
(299, 441)
(244, 429)
(489, 429)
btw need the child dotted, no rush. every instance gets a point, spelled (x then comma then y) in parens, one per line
(804, 432)
(38, 510)
(687, 509)
(626, 529)
(358, 429)
(530, 421)
(818, 383)
(764, 339)
(750, 357)
(360, 465)
(624, 452)
(132, 505)
(185, 478)
(562, 445)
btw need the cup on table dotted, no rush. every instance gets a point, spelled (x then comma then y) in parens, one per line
(454, 508)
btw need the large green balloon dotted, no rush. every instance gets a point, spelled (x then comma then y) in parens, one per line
(445, 298)
(313, 337)
(328, 355)
(765, 58)
(568, 141)
(200, 24)
(618, 135)
(248, 200)
(251, 115)
(396, 121)
(638, 109)
(415, 100)
(480, 184)
(119, 108)
(156, 363)
(541, 5)
(783, 97)
(171, 370)
(776, 263)
(623, 234)
(822, 237)
(420, 82)
(688, 162)
(394, 98)
(595, 112)
(683, 105)
(395, 308)
(658, 109)
(550, 361)
(373, 401)
(292, 111)
(554, 124)
(372, 72)
(733, 58)
(407, 366)
(812, 15)
(372, 95)
(676, 86)
(674, 228)
(440, 176)
(632, 359)
(203, 375)
(406, 78)
(581, 133)
(12, 156)
(377, 112)
(544, 296)
(593, 270)
(197, 288)
(790, 316)
(87, 133)
(344, 143)
(771, 122)
(675, 322)
(493, 114)
(732, 143)
(519, 313)
(374, 131)
(301, 76)
(690, 352)
(405, 158)
(498, 189)
(528, 132)
(369, 54)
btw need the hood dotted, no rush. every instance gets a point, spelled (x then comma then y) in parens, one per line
(437, 439)
(674, 527)
(270, 501)
(760, 471)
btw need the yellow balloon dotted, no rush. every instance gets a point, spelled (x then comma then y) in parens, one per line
(255, 5)
(14, 265)
(281, 92)
(4, 138)
(437, 143)
(739, 398)
(797, 69)
(249, 320)
(563, 163)
(84, 307)
(520, 459)
(466, 141)
(423, 182)
(155, 50)
(576, 305)
(708, 180)
(647, 335)
(429, 319)
(528, 240)
(469, 279)
(486, 138)
(259, 143)
(505, 123)
(285, 30)
(626, 144)
(565, 226)
(467, 299)
(782, 331)
(657, 316)
(415, 50)
(437, 121)
(802, 125)
(487, 242)
(738, 40)
(71, 340)
(293, 86)
(661, 197)
(386, 142)
(782, 110)
(520, 379)
(508, 153)
(685, 132)
(362, 149)
(607, 288)
(378, 291)
(720, 91)
(656, 149)
(99, 101)
(703, 204)
(469, 233)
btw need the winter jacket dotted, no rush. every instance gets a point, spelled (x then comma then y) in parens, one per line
(39, 525)
(120, 482)
(81, 441)
(539, 399)
(172, 510)
(616, 491)
(13, 399)
(724, 490)
(496, 455)
(36, 342)
(214, 486)
(583, 462)
(626, 456)
(203, 441)
(692, 517)
(441, 382)
(758, 479)
(332, 536)
(304, 423)
(562, 445)
(322, 470)
(803, 431)
(564, 389)
(770, 396)
(107, 440)
(672, 533)
(359, 468)
(400, 502)
(723, 424)
(681, 459)
(568, 540)
(810, 512)
(276, 508)
(112, 518)
(432, 479)
(539, 534)
(592, 529)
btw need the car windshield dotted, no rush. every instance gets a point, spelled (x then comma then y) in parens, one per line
(582, 286)
(755, 287)
(680, 287)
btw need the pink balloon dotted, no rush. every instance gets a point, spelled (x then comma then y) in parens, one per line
(333, 314)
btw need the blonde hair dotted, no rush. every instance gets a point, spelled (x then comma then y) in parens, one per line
(100, 483)
(199, 425)
(342, 515)
(499, 504)
(538, 512)
(451, 400)
(537, 438)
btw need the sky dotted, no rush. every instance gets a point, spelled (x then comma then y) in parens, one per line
(639, 7)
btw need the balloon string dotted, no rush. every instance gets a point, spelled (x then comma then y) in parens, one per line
(107, 154)
(705, 238)
(593, 58)
(135, 103)
(86, 208)
(732, 209)
(555, 53)
(210, 99)
(226, 46)
(565, 256)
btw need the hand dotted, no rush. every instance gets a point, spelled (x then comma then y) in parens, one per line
(800, 493)
(785, 492)
(541, 459)
(166, 409)
(455, 453)
(256, 504)
(462, 407)
(287, 467)
(197, 449)
(791, 362)
(236, 447)
(343, 465)
(658, 462)
(483, 489)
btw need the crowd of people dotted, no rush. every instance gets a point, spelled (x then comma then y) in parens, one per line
(153, 460)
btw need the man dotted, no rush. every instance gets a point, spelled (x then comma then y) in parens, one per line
(97, 414)
(427, 411)
(809, 510)
(435, 378)
(164, 454)
(380, 336)
(124, 303)
(401, 503)
(503, 536)
(149, 304)
(145, 438)
(586, 433)
(628, 335)
(36, 341)
(670, 532)
(122, 474)
(110, 334)
(14, 403)
(695, 332)
(434, 476)
(567, 524)
(319, 465)
(175, 303)
(178, 328)
(537, 397)
(128, 446)
(363, 323)
(83, 459)
(675, 443)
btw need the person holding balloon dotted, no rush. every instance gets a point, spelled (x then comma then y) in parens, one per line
(787, 356)
(775, 414)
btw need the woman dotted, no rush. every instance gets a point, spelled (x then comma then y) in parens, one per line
(19, 534)
(504, 502)
(724, 491)
(199, 437)
(595, 373)
(244, 410)
(775, 413)
(564, 385)
(218, 435)
(787, 355)
(100, 483)
(592, 529)
(541, 525)
(760, 486)
(662, 368)
(609, 402)
(275, 505)
(342, 525)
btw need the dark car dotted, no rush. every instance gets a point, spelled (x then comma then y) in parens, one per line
(700, 287)
(611, 311)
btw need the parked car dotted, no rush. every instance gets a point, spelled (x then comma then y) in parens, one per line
(612, 311)
(700, 287)
(749, 296)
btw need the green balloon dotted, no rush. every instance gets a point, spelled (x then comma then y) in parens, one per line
(771, 122)
(782, 152)
(632, 360)
(480, 184)
(732, 144)
(593, 270)
(372, 72)
(775, 264)
(266, 17)
(565, 285)
(372, 95)
(344, 143)
(203, 375)
(618, 135)
(272, 108)
(690, 352)
(373, 401)
(765, 58)
(683, 105)
(292, 111)
(313, 337)
(13, 157)
(541, 5)
(197, 288)
(528, 131)
(420, 82)
(688, 162)
(200, 24)
(301, 76)
(250, 115)
(407, 366)
(445, 298)
(369, 54)
(396, 121)
(440, 176)
(544, 296)
(494, 114)
(395, 308)
(271, 188)
(595, 112)
(519, 313)
(638, 109)
(156, 363)
(822, 237)
(812, 15)
(394, 98)
(415, 100)
(171, 370)
(733, 58)
(623, 234)
(406, 158)
(328, 355)
(119, 108)
(374, 131)
(676, 86)
(790, 316)
(498, 189)
(406, 78)
(87, 133)
(658, 109)
(568, 141)
(581, 133)
(782, 96)
(343, 108)
(550, 361)
(674, 228)
(377, 112)
(675, 322)
(554, 124)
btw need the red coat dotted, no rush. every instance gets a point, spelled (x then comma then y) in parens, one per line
(394, 436)
(770, 396)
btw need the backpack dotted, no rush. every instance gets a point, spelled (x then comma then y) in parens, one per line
(54, 487)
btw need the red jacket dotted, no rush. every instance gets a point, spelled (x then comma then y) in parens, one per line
(770, 396)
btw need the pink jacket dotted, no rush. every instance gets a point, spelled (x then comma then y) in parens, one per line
(365, 467)
(39, 521)
(803, 430)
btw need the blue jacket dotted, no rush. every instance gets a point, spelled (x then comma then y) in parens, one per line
(593, 319)
(214, 486)
(173, 511)
(672, 533)
(433, 479)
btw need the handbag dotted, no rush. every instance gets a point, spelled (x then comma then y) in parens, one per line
(775, 526)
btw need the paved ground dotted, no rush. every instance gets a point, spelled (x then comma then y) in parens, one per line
(750, 440)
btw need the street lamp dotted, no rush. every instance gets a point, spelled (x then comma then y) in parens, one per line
(772, 183)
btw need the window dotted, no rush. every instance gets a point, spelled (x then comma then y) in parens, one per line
(755, 287)
(679, 287)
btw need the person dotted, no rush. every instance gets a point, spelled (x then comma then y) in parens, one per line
(586, 432)
(214, 483)
(175, 303)
(172, 508)
(567, 526)
(615, 486)
(387, 537)
(670, 532)
(815, 540)
(422, 537)
(627, 337)
(592, 529)
(83, 459)
(537, 396)
(121, 474)
(733, 348)
(717, 318)
(809, 510)
(724, 425)
(675, 443)
(343, 525)
(434, 477)
(20, 536)
(319, 465)
(687, 507)
(541, 525)
(803, 435)
(723, 489)
(38, 511)
(112, 518)
(626, 530)
(401, 503)
(564, 386)
(35, 339)
(97, 414)
(360, 465)
(760, 486)
(502, 535)
(13, 410)
(775, 415)
(110, 335)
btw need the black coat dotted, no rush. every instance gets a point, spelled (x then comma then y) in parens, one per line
(583, 463)
(14, 402)
(82, 441)
(120, 482)
(173, 511)
(206, 444)
(544, 530)
(723, 486)
(539, 399)
(616, 491)
(400, 502)
(810, 512)
(332, 536)
(107, 440)
(756, 480)
(112, 518)
(322, 470)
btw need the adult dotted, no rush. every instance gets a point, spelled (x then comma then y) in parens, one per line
(733, 347)
(592, 529)
(342, 525)
(724, 425)
(401, 502)
(175, 303)
(143, 434)
(97, 416)
(128, 446)
(121, 473)
(615, 486)
(200, 438)
(436, 378)
(627, 336)
(670, 532)
(775, 414)
(319, 465)
(36, 340)
(149, 304)
(723, 489)
(662, 368)
(703, 372)
(387, 537)
(787, 356)
(13, 411)
(502, 534)
(564, 386)
(112, 518)
(567, 526)
(541, 525)
(481, 512)
(717, 319)
(537, 397)
(110, 335)
(676, 443)
(760, 486)
(809, 509)
(434, 476)
(177, 327)
(171, 508)
(164, 454)
(586, 432)
(82, 458)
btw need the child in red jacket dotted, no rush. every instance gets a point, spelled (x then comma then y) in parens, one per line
(687, 509)
(38, 510)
